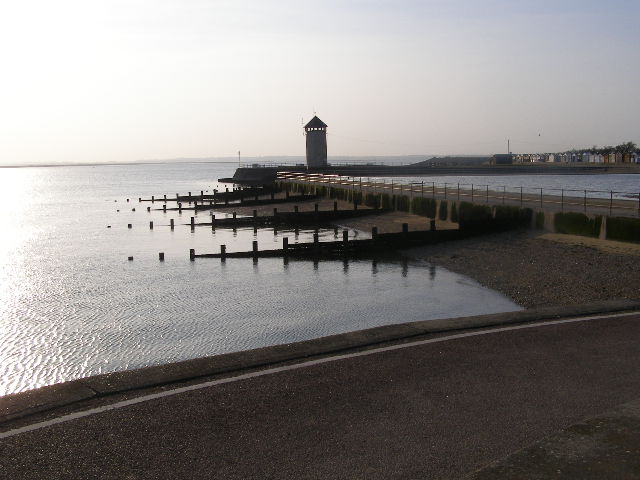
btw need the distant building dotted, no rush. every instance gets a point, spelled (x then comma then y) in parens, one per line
(502, 159)
(316, 133)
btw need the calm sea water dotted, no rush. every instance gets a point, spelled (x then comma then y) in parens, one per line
(71, 305)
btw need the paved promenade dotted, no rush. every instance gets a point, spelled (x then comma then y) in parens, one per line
(442, 405)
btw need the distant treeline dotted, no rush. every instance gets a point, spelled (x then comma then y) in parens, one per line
(628, 147)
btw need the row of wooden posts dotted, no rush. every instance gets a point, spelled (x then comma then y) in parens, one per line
(234, 216)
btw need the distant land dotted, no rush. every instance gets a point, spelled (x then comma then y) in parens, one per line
(274, 159)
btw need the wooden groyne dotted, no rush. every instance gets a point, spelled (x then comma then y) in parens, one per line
(296, 217)
(211, 205)
(379, 244)
(216, 196)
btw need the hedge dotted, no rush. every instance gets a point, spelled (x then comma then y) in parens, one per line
(577, 224)
(424, 206)
(471, 212)
(443, 211)
(403, 203)
(623, 229)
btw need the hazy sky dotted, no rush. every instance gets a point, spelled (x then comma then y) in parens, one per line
(114, 80)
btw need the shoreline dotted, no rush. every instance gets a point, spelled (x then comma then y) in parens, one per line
(74, 393)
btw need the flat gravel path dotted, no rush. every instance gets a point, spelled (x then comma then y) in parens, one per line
(438, 410)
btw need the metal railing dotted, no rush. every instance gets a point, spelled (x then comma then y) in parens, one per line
(572, 199)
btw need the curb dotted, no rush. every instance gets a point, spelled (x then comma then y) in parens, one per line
(46, 398)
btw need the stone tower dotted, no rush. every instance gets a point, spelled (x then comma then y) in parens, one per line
(316, 132)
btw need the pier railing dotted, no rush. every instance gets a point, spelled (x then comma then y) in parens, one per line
(556, 198)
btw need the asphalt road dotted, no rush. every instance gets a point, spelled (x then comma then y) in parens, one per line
(436, 410)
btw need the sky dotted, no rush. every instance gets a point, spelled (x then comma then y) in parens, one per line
(129, 80)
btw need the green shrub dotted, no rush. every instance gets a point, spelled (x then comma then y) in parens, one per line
(372, 200)
(623, 229)
(577, 224)
(403, 203)
(424, 206)
(515, 214)
(443, 211)
(454, 212)
(469, 212)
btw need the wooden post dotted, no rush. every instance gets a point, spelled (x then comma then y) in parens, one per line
(161, 256)
(285, 245)
(335, 206)
(213, 222)
(223, 252)
(611, 203)
(374, 233)
(193, 224)
(255, 214)
(165, 197)
(255, 249)
(150, 225)
(275, 212)
(179, 207)
(149, 209)
(345, 237)
(316, 244)
(171, 223)
(129, 225)
(192, 254)
(153, 199)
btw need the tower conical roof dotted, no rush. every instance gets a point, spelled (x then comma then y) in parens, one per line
(315, 122)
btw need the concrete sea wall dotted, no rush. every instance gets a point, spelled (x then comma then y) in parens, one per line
(479, 215)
